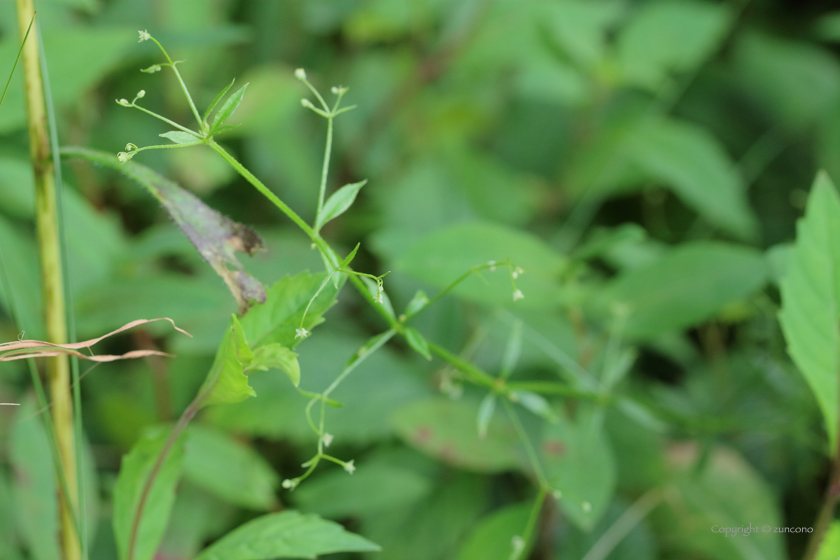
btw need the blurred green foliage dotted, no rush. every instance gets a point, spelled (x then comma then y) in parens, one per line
(644, 162)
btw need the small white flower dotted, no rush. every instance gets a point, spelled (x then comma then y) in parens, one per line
(300, 74)
(301, 333)
(151, 69)
(289, 483)
(144, 36)
(130, 147)
(350, 467)
(123, 157)
(517, 295)
(124, 102)
(519, 271)
(339, 90)
(378, 298)
(492, 265)
(327, 439)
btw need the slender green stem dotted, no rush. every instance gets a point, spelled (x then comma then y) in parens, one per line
(528, 533)
(607, 542)
(526, 443)
(183, 85)
(167, 121)
(472, 372)
(17, 58)
(326, 166)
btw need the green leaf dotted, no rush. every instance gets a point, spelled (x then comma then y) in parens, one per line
(485, 414)
(445, 429)
(288, 534)
(687, 286)
(34, 488)
(417, 342)
(277, 318)
(725, 492)
(810, 314)
(445, 255)
(417, 303)
(223, 129)
(693, 164)
(669, 36)
(580, 466)
(276, 355)
(492, 536)
(228, 108)
(216, 100)
(535, 403)
(180, 137)
(229, 469)
(226, 381)
(375, 487)
(338, 203)
(349, 258)
(134, 471)
(830, 547)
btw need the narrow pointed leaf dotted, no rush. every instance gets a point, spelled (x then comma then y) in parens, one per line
(417, 303)
(338, 203)
(417, 342)
(288, 534)
(349, 258)
(810, 315)
(180, 137)
(485, 414)
(216, 100)
(228, 108)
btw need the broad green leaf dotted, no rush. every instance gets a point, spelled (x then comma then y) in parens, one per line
(229, 469)
(276, 355)
(692, 163)
(669, 36)
(687, 286)
(445, 255)
(417, 342)
(726, 492)
(338, 203)
(830, 547)
(134, 471)
(288, 534)
(277, 318)
(34, 488)
(796, 81)
(493, 535)
(810, 315)
(228, 108)
(434, 527)
(216, 236)
(445, 429)
(580, 467)
(180, 137)
(216, 100)
(376, 486)
(226, 381)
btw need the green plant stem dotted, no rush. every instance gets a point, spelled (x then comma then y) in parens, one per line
(473, 373)
(532, 521)
(58, 371)
(326, 167)
(17, 58)
(172, 65)
(526, 442)
(826, 515)
(634, 514)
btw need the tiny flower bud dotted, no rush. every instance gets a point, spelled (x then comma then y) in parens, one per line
(144, 36)
(152, 69)
(350, 467)
(300, 74)
(327, 439)
(123, 157)
(517, 294)
(141, 94)
(124, 102)
(492, 265)
(289, 483)
(301, 333)
(378, 298)
(306, 103)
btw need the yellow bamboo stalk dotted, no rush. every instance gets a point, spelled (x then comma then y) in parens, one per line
(52, 294)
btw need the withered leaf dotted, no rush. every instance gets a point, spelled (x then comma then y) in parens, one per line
(216, 236)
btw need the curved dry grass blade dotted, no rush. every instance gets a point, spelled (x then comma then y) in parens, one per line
(23, 354)
(31, 344)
